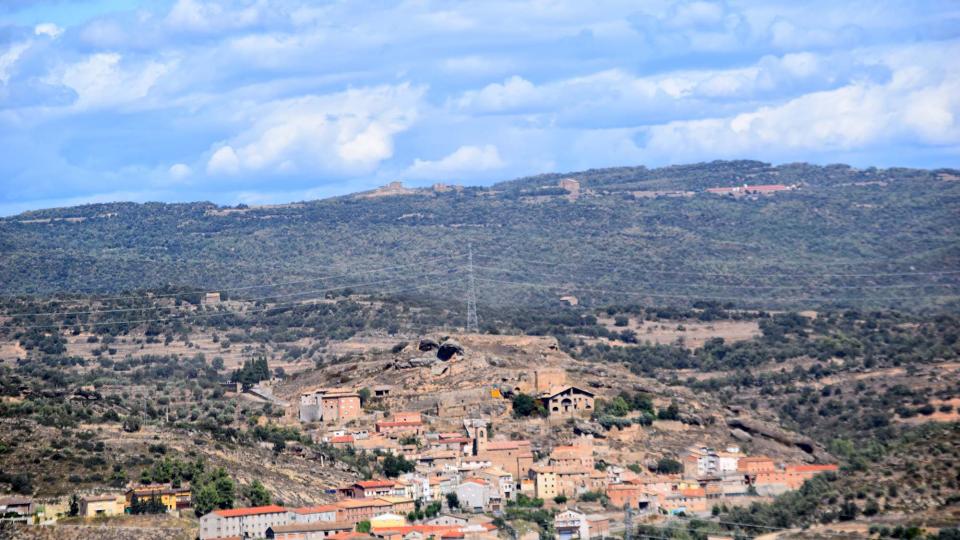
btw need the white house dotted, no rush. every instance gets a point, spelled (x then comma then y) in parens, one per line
(476, 495)
(244, 522)
(571, 524)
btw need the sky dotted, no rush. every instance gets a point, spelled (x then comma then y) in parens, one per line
(255, 101)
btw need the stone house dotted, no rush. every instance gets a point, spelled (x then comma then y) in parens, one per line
(567, 401)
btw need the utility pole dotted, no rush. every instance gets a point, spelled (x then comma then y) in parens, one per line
(627, 521)
(472, 323)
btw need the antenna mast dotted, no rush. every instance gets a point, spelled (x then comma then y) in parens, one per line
(473, 324)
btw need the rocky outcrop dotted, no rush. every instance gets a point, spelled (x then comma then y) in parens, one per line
(448, 349)
(583, 427)
(423, 361)
(755, 428)
(427, 344)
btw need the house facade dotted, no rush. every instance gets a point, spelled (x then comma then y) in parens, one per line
(173, 498)
(102, 505)
(568, 401)
(243, 522)
(330, 405)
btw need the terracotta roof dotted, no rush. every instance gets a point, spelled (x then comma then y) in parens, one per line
(502, 445)
(315, 526)
(341, 439)
(100, 498)
(385, 423)
(253, 511)
(349, 535)
(396, 500)
(366, 484)
(362, 503)
(315, 509)
(811, 468)
(461, 440)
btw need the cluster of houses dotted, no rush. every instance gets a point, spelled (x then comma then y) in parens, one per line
(462, 468)
(746, 189)
(381, 505)
(26, 510)
(709, 477)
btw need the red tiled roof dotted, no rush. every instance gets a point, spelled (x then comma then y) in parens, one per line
(315, 509)
(454, 440)
(811, 468)
(502, 445)
(366, 484)
(341, 439)
(385, 423)
(256, 510)
(315, 526)
(363, 503)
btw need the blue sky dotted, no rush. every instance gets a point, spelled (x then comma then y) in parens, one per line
(257, 102)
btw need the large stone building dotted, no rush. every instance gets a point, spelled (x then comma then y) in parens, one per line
(330, 405)
(243, 522)
(514, 457)
(567, 401)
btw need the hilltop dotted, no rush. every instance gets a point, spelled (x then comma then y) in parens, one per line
(837, 236)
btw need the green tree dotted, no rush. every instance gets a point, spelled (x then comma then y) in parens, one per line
(394, 466)
(452, 500)
(204, 499)
(363, 527)
(257, 494)
(670, 413)
(669, 466)
(525, 405)
(132, 423)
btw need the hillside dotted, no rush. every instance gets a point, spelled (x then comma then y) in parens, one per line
(839, 236)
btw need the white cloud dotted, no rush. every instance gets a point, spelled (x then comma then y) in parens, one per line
(223, 161)
(47, 29)
(180, 171)
(854, 117)
(9, 58)
(206, 16)
(103, 80)
(348, 132)
(465, 160)
(496, 97)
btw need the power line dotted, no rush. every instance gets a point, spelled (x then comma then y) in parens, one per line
(220, 313)
(697, 296)
(121, 310)
(473, 324)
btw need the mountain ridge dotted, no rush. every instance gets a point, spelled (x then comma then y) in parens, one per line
(658, 228)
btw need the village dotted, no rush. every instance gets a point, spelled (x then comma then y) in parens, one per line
(451, 469)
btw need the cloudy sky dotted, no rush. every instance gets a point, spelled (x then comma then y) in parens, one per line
(261, 101)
